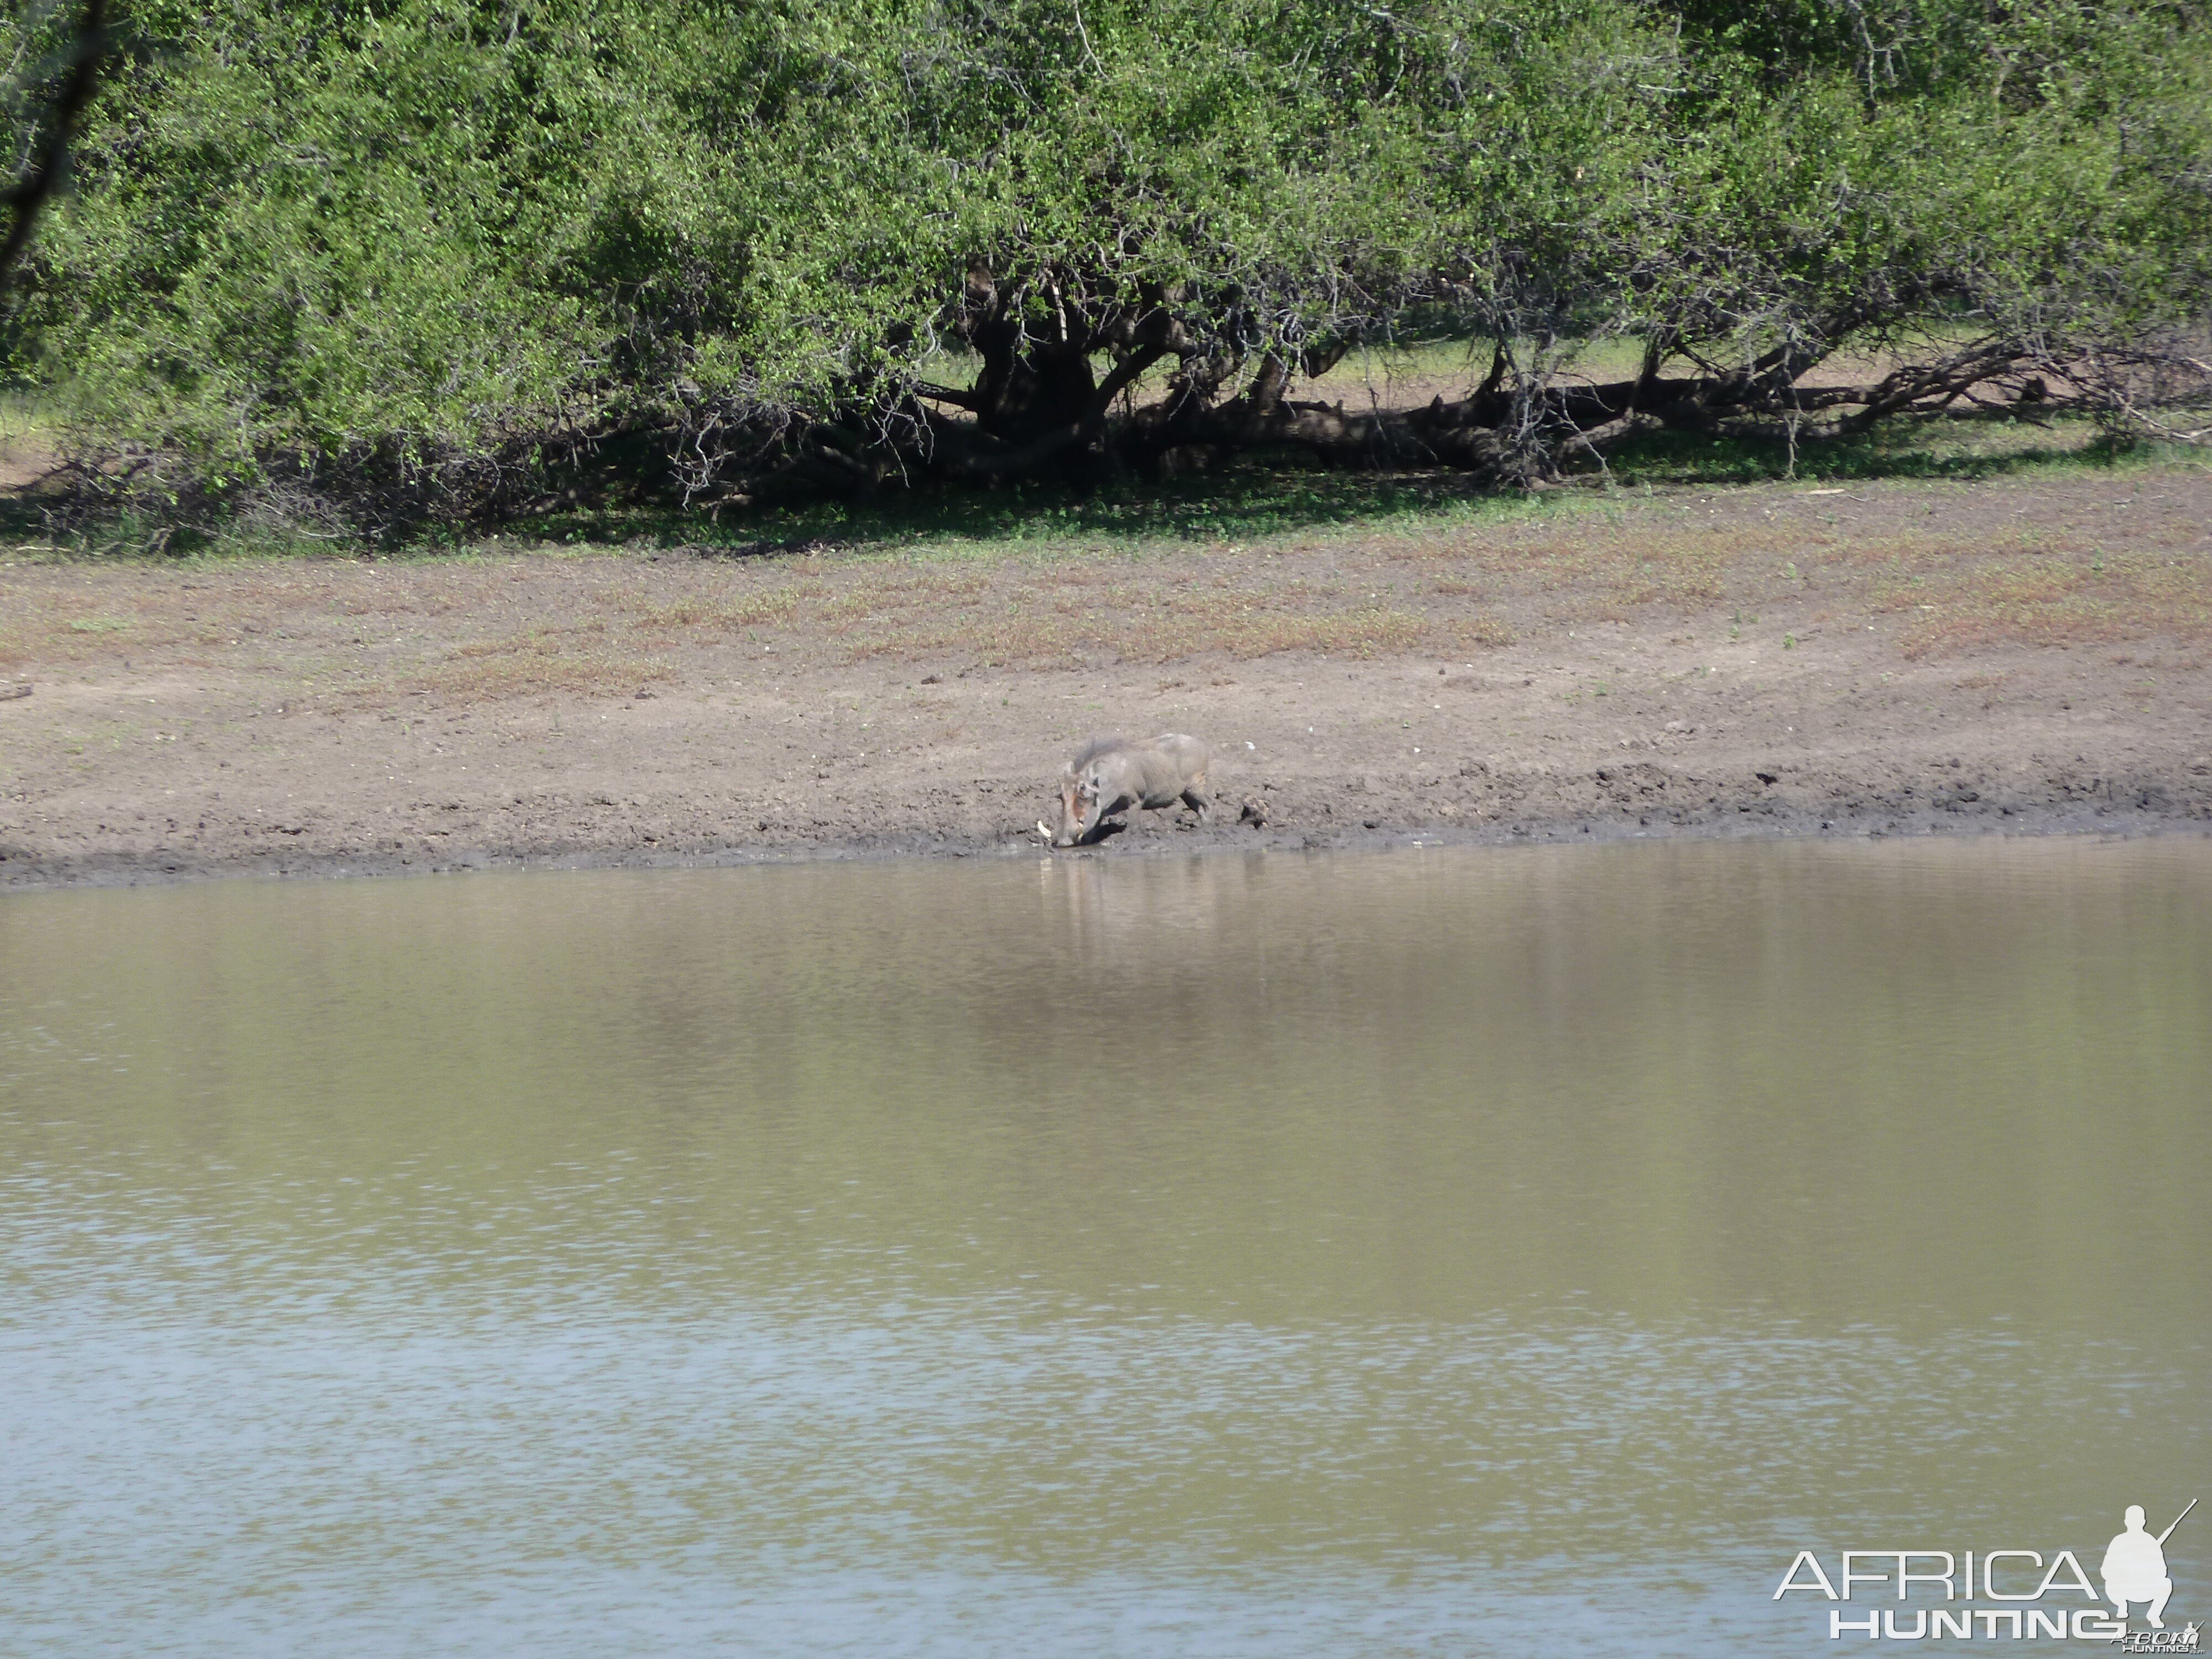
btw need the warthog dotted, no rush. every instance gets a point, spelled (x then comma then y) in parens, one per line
(1112, 775)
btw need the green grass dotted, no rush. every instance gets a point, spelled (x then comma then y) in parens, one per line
(1256, 501)
(28, 536)
(1252, 502)
(1465, 362)
(24, 417)
(1957, 447)
(1237, 505)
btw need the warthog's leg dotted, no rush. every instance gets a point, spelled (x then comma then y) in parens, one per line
(1103, 806)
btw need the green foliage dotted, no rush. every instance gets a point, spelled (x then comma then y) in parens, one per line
(427, 238)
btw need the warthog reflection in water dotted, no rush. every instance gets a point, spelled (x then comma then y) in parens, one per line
(1112, 775)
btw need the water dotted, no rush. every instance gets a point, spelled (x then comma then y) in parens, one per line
(1424, 1252)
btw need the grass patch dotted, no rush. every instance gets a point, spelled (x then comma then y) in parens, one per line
(1257, 502)
(1249, 503)
(1025, 620)
(714, 615)
(1235, 507)
(527, 673)
(27, 420)
(1954, 446)
(2058, 601)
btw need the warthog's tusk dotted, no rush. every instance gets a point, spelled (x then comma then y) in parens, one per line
(1041, 831)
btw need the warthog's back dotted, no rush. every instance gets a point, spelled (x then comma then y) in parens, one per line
(1161, 769)
(1189, 756)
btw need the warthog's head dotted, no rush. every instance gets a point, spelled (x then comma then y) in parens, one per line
(1083, 782)
(1076, 792)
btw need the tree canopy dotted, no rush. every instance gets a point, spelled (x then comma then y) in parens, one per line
(386, 258)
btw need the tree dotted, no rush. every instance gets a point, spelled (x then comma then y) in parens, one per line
(427, 256)
(43, 136)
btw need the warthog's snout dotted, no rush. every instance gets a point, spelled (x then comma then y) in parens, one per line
(1071, 804)
(1114, 775)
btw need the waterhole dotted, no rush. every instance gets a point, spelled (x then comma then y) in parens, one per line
(1424, 1252)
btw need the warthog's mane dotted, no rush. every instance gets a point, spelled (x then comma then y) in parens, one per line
(1097, 746)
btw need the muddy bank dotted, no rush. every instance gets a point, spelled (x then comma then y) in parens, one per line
(1469, 803)
(1906, 659)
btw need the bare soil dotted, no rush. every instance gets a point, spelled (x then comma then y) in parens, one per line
(1888, 658)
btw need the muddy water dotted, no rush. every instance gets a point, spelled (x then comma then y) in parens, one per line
(1414, 1253)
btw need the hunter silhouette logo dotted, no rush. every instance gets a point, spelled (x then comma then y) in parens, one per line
(2133, 1571)
(2134, 1566)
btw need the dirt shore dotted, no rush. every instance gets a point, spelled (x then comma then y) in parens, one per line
(1893, 658)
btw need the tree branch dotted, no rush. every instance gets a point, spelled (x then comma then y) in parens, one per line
(945, 394)
(1124, 374)
(30, 196)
